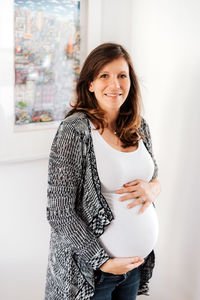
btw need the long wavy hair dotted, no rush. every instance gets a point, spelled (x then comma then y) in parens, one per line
(129, 118)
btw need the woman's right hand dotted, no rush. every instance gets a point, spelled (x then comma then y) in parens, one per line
(121, 265)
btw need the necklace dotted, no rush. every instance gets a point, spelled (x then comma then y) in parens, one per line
(113, 130)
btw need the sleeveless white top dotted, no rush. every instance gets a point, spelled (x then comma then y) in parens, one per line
(129, 234)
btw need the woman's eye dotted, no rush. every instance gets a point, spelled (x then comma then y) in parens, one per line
(123, 76)
(103, 75)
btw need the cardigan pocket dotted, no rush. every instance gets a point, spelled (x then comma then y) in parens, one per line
(85, 269)
(65, 271)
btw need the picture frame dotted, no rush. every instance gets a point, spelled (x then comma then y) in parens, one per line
(33, 143)
(47, 59)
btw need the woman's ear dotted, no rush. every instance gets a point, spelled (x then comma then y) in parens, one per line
(91, 89)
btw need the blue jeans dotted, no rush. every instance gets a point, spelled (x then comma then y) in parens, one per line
(116, 287)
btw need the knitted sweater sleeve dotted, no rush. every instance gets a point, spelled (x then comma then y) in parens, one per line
(148, 143)
(64, 180)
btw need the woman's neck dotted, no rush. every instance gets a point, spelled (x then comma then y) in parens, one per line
(111, 118)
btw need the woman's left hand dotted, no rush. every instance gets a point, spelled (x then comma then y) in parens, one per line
(141, 192)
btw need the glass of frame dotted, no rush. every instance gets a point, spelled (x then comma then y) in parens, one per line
(47, 59)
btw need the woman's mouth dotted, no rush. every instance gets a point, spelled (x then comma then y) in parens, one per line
(113, 94)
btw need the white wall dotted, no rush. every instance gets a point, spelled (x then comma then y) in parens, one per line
(24, 230)
(162, 38)
(117, 22)
(166, 50)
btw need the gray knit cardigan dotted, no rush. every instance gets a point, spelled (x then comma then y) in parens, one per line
(78, 212)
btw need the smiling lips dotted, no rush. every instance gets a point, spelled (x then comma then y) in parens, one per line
(113, 94)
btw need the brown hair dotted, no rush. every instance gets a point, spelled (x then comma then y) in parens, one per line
(128, 120)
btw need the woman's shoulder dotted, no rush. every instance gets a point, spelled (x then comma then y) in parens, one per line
(77, 122)
(144, 127)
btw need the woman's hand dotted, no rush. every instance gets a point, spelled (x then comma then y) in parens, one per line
(121, 265)
(141, 192)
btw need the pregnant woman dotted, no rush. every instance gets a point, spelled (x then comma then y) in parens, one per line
(101, 187)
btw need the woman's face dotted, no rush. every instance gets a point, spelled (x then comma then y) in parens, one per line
(111, 86)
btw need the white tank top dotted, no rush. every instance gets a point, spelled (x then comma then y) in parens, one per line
(130, 233)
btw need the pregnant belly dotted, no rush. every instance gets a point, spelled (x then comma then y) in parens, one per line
(130, 233)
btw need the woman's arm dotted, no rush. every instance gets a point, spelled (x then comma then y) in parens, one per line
(64, 180)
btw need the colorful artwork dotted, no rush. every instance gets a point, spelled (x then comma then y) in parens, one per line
(47, 58)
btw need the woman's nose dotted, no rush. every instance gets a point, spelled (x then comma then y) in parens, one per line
(114, 82)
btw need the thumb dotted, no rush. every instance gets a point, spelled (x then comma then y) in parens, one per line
(136, 259)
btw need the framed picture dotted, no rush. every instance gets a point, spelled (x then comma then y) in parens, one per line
(39, 69)
(47, 59)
